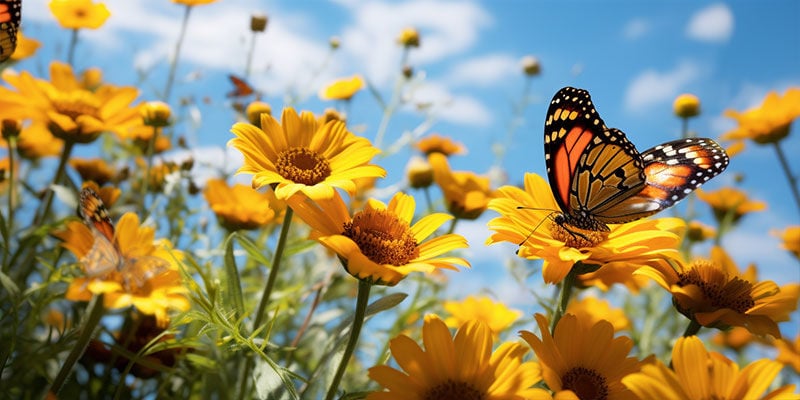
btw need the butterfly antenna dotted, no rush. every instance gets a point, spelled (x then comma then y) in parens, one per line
(537, 225)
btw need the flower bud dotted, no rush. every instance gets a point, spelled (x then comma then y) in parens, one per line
(258, 22)
(155, 113)
(530, 65)
(686, 106)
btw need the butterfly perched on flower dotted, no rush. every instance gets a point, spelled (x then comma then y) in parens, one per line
(10, 14)
(597, 175)
(105, 257)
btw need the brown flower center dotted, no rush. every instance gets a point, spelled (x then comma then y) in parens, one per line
(453, 390)
(301, 165)
(382, 237)
(719, 289)
(76, 103)
(576, 237)
(587, 384)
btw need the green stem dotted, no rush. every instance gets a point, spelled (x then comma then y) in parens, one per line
(73, 43)
(48, 202)
(95, 313)
(684, 127)
(151, 145)
(453, 223)
(428, 199)
(174, 64)
(692, 329)
(388, 111)
(12, 149)
(249, 66)
(517, 118)
(564, 296)
(788, 171)
(358, 321)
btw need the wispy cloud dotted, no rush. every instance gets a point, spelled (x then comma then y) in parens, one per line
(652, 87)
(636, 29)
(485, 70)
(452, 107)
(711, 24)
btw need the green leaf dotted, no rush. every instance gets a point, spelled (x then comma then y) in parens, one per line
(233, 292)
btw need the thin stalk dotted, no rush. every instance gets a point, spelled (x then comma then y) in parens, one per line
(249, 66)
(12, 150)
(358, 321)
(73, 43)
(518, 111)
(388, 111)
(452, 227)
(428, 199)
(48, 202)
(692, 329)
(174, 64)
(564, 295)
(94, 314)
(788, 171)
(151, 145)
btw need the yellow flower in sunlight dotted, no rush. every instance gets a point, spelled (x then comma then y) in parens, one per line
(141, 135)
(495, 315)
(36, 141)
(768, 123)
(466, 194)
(730, 200)
(698, 374)
(591, 310)
(789, 352)
(254, 111)
(526, 220)
(95, 169)
(715, 294)
(26, 47)
(66, 108)
(436, 143)
(342, 89)
(240, 206)
(79, 14)
(409, 37)
(460, 367)
(582, 358)
(155, 114)
(193, 2)
(130, 284)
(379, 244)
(791, 240)
(686, 106)
(300, 155)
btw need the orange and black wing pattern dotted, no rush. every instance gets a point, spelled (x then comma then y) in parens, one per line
(10, 15)
(240, 87)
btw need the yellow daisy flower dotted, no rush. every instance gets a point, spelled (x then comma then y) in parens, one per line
(730, 200)
(592, 310)
(466, 194)
(768, 123)
(435, 143)
(342, 89)
(65, 108)
(300, 155)
(583, 359)
(239, 206)
(26, 47)
(526, 219)
(789, 352)
(715, 294)
(460, 367)
(379, 244)
(495, 315)
(156, 295)
(95, 169)
(698, 374)
(79, 14)
(791, 240)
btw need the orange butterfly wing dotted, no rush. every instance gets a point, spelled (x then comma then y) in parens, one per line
(240, 87)
(10, 15)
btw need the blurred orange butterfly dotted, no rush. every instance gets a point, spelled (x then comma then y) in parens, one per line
(10, 14)
(240, 87)
(105, 256)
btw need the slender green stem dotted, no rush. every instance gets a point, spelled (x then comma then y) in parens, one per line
(517, 117)
(564, 296)
(174, 64)
(358, 321)
(388, 111)
(94, 314)
(73, 43)
(684, 127)
(249, 66)
(48, 201)
(788, 171)
(692, 329)
(12, 150)
(452, 227)
(151, 145)
(428, 199)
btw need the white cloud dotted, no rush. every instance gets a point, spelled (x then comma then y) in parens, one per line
(653, 87)
(711, 24)
(450, 107)
(485, 70)
(636, 28)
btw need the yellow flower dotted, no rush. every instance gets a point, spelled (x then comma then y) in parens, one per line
(342, 89)
(626, 248)
(26, 47)
(36, 141)
(436, 143)
(66, 108)
(141, 135)
(730, 200)
(300, 155)
(582, 358)
(79, 14)
(379, 244)
(460, 367)
(239, 206)
(735, 338)
(409, 37)
(591, 310)
(156, 295)
(254, 111)
(108, 194)
(419, 173)
(789, 353)
(531, 66)
(193, 2)
(698, 374)
(791, 240)
(95, 169)
(157, 178)
(155, 113)
(495, 315)
(686, 106)
(466, 194)
(715, 294)
(697, 231)
(768, 123)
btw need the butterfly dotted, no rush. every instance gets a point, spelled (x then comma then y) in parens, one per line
(597, 175)
(240, 87)
(105, 256)
(10, 14)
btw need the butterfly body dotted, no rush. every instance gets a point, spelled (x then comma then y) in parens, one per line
(10, 15)
(598, 176)
(105, 257)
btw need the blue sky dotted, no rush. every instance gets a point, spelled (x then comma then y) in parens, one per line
(634, 57)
